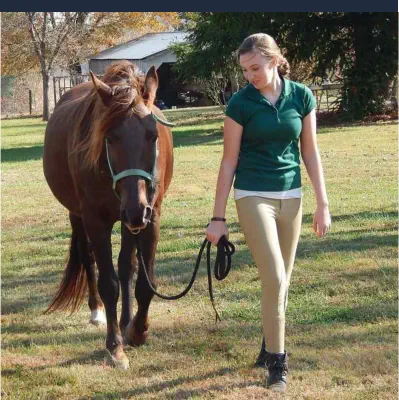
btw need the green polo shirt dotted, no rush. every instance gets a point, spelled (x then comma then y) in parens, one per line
(269, 152)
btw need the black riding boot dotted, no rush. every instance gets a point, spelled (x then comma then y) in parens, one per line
(261, 360)
(277, 366)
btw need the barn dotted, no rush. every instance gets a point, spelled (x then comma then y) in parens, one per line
(145, 51)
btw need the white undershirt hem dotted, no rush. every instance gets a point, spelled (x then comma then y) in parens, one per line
(286, 194)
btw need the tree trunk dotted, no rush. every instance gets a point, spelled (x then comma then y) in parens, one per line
(234, 83)
(46, 79)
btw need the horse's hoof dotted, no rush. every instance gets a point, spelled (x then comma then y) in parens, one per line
(117, 359)
(134, 338)
(98, 317)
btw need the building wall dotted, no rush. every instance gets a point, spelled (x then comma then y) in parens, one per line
(157, 60)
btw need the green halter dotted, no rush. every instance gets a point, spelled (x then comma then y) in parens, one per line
(163, 122)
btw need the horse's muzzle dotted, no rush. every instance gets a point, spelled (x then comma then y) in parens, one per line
(136, 219)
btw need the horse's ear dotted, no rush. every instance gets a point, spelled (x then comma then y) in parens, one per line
(151, 85)
(104, 91)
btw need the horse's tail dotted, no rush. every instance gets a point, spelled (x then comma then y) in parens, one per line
(73, 287)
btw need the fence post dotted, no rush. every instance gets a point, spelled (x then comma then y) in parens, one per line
(30, 102)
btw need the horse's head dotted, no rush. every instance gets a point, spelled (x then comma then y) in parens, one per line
(130, 137)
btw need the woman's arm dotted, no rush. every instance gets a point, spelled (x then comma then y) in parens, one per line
(228, 165)
(312, 161)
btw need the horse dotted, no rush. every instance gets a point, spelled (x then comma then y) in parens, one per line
(108, 156)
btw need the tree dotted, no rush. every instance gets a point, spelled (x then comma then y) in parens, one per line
(214, 38)
(48, 32)
(44, 40)
(17, 54)
(361, 47)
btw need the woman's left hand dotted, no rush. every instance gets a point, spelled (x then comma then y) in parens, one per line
(321, 220)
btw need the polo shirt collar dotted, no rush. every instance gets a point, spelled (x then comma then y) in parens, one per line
(255, 94)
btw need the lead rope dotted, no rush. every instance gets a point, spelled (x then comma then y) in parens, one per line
(225, 250)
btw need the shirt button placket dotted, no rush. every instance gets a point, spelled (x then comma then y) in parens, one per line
(278, 118)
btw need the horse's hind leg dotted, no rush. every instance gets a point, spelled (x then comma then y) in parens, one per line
(87, 259)
(127, 264)
(137, 331)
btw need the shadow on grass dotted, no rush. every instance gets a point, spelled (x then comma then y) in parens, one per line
(178, 233)
(180, 268)
(364, 215)
(369, 275)
(191, 137)
(95, 356)
(351, 314)
(344, 335)
(364, 239)
(309, 248)
(32, 303)
(50, 338)
(182, 393)
(145, 389)
(15, 283)
(194, 117)
(26, 127)
(180, 272)
(177, 270)
(221, 341)
(337, 123)
(32, 328)
(21, 154)
(199, 121)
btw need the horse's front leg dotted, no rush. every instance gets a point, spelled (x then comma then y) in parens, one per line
(137, 331)
(86, 257)
(127, 265)
(108, 285)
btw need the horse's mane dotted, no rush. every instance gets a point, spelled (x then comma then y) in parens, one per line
(94, 119)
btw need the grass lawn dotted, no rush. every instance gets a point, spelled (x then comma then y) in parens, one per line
(342, 309)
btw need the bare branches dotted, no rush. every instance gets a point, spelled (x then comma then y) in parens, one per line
(215, 88)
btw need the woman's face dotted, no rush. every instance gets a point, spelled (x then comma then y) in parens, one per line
(257, 69)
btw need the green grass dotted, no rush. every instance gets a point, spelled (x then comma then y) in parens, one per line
(342, 312)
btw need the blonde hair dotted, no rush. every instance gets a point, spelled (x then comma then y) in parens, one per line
(267, 46)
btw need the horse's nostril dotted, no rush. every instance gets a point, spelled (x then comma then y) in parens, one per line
(147, 213)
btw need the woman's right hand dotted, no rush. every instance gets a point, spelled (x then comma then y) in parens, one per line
(215, 230)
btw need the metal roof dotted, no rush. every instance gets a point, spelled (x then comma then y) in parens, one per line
(141, 47)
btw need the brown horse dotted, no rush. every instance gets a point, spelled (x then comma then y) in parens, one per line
(106, 158)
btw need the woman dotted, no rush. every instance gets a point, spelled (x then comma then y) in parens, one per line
(265, 124)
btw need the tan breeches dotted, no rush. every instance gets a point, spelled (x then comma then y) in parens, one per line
(271, 228)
